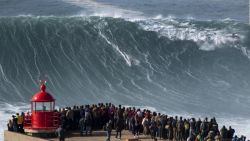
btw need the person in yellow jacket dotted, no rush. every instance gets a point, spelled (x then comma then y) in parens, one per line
(19, 122)
(187, 128)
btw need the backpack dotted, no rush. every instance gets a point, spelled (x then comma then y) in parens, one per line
(174, 123)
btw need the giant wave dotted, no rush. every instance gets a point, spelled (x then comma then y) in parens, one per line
(175, 65)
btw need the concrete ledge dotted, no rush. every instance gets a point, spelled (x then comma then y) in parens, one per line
(13, 136)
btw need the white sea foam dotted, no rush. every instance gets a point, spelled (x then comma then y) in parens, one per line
(246, 52)
(207, 38)
(103, 10)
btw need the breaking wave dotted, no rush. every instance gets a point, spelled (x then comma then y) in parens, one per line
(171, 64)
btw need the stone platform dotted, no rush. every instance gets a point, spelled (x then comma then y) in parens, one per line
(75, 136)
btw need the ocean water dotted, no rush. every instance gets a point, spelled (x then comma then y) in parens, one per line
(188, 58)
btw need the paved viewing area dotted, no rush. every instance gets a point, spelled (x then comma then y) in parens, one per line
(74, 136)
(101, 136)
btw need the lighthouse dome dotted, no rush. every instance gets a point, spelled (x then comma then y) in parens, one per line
(42, 96)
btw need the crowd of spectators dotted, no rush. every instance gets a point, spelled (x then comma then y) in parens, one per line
(140, 122)
(16, 123)
(143, 121)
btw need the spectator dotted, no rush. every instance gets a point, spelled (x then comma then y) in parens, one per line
(230, 133)
(61, 133)
(119, 127)
(14, 121)
(10, 125)
(109, 129)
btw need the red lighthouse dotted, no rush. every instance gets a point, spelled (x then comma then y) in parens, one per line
(43, 119)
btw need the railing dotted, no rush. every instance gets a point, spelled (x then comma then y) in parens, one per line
(50, 121)
(27, 121)
(56, 119)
